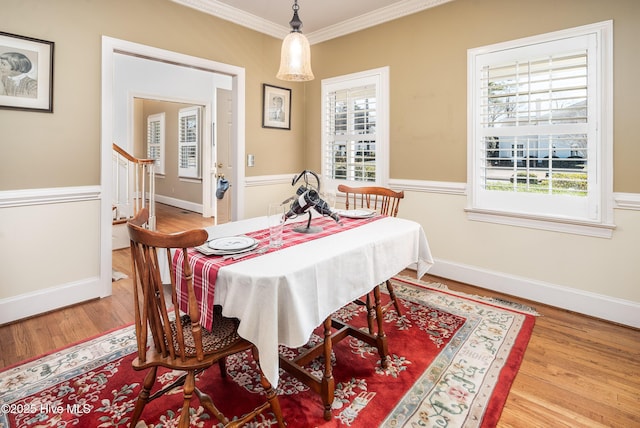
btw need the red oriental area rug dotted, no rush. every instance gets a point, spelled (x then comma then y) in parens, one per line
(453, 359)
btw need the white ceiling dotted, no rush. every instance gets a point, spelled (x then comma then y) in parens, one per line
(321, 19)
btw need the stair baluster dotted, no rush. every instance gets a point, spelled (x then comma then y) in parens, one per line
(133, 186)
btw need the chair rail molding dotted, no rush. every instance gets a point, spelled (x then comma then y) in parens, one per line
(447, 187)
(54, 195)
(268, 180)
(627, 201)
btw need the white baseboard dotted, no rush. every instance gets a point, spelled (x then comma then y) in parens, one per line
(185, 205)
(596, 305)
(49, 299)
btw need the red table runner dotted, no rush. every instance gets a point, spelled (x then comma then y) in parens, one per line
(205, 268)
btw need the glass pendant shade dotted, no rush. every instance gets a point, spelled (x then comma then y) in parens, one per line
(295, 58)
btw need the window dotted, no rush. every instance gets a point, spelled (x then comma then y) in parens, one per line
(189, 142)
(540, 144)
(355, 137)
(155, 140)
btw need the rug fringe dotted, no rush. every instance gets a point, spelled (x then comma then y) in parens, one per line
(493, 300)
(430, 284)
(520, 307)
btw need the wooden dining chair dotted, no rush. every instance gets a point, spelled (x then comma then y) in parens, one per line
(381, 199)
(385, 201)
(177, 341)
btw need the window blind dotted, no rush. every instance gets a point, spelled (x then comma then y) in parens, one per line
(534, 124)
(350, 128)
(189, 142)
(155, 140)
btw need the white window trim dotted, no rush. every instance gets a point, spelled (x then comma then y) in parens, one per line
(603, 227)
(160, 162)
(379, 77)
(191, 174)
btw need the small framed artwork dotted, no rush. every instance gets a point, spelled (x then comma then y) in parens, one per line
(276, 107)
(26, 73)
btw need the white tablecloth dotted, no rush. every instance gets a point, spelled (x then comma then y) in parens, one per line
(281, 297)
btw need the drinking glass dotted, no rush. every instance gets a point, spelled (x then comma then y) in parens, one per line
(329, 197)
(275, 220)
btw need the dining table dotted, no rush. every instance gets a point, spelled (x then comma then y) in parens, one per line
(281, 295)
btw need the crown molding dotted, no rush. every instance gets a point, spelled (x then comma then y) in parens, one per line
(237, 16)
(379, 16)
(375, 17)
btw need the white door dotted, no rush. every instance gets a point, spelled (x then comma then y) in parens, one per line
(224, 153)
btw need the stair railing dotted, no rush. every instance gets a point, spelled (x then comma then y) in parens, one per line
(133, 186)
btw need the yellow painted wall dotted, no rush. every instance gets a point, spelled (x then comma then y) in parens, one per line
(427, 56)
(63, 148)
(169, 185)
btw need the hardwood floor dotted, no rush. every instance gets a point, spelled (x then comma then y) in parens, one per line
(577, 371)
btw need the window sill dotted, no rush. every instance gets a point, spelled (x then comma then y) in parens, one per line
(577, 227)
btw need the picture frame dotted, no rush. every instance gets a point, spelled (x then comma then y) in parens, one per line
(276, 107)
(26, 73)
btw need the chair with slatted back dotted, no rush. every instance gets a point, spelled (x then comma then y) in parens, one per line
(385, 201)
(168, 338)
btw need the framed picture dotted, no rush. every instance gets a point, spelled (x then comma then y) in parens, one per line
(26, 73)
(276, 107)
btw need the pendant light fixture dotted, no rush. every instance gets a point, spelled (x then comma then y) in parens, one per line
(295, 57)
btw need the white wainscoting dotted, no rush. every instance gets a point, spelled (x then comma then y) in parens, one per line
(596, 304)
(49, 250)
(48, 299)
(593, 304)
(23, 294)
(262, 190)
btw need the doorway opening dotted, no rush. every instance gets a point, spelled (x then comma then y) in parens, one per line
(126, 70)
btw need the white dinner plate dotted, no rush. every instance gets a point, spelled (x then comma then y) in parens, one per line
(207, 251)
(231, 243)
(356, 213)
